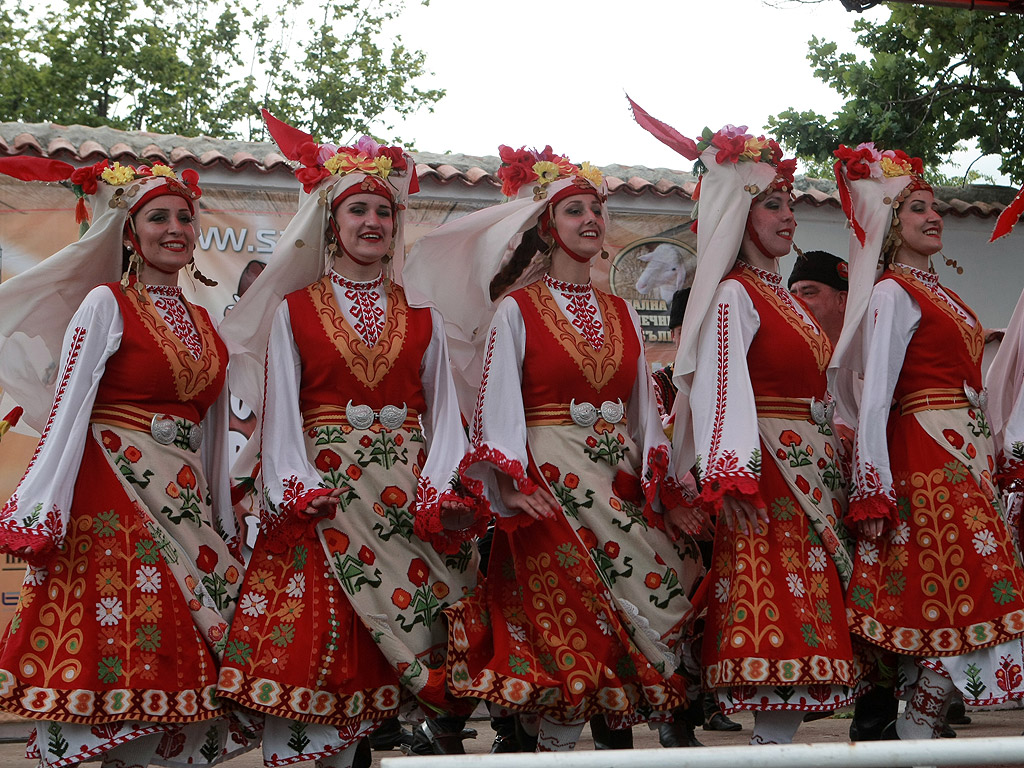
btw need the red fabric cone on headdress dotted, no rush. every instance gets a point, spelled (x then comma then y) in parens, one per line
(35, 168)
(1009, 217)
(287, 137)
(664, 132)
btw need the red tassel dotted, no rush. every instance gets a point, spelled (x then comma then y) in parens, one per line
(14, 416)
(81, 212)
(847, 202)
(1008, 218)
(414, 180)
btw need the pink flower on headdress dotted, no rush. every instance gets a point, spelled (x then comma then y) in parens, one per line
(869, 152)
(368, 146)
(327, 151)
(733, 132)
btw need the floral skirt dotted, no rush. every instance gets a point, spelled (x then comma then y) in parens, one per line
(775, 636)
(340, 621)
(946, 579)
(586, 613)
(120, 635)
(944, 588)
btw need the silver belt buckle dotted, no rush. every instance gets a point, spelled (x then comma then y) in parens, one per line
(195, 437)
(586, 414)
(362, 416)
(822, 411)
(165, 430)
(975, 398)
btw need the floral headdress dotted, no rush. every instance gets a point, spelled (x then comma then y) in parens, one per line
(328, 173)
(85, 181)
(866, 161)
(366, 156)
(736, 169)
(872, 184)
(521, 167)
(732, 144)
(38, 304)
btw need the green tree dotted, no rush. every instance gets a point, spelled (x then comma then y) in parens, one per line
(935, 79)
(206, 66)
(348, 78)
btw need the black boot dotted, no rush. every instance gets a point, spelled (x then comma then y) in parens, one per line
(440, 736)
(389, 735)
(872, 713)
(678, 733)
(606, 738)
(364, 755)
(504, 735)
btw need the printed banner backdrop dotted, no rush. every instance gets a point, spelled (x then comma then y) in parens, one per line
(650, 255)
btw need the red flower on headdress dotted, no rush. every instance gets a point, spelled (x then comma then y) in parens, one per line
(308, 154)
(190, 177)
(786, 169)
(776, 153)
(856, 161)
(310, 177)
(86, 178)
(396, 156)
(729, 148)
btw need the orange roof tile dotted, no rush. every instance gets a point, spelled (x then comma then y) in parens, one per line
(86, 144)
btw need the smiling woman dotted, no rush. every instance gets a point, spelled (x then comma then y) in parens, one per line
(938, 580)
(134, 567)
(589, 571)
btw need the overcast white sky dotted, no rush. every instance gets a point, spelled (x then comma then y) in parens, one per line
(539, 72)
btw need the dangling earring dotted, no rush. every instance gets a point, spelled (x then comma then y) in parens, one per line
(134, 262)
(605, 255)
(207, 281)
(951, 263)
(390, 254)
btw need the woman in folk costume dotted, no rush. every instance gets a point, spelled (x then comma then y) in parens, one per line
(585, 603)
(340, 623)
(1005, 384)
(937, 578)
(124, 514)
(751, 415)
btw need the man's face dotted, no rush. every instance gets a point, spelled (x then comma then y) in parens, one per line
(825, 302)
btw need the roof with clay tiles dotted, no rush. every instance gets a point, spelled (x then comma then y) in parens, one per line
(81, 144)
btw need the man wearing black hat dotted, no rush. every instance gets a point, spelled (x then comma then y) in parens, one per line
(822, 280)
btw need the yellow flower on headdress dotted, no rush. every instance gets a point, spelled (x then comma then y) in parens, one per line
(591, 174)
(159, 169)
(383, 164)
(546, 171)
(753, 147)
(344, 162)
(892, 168)
(118, 174)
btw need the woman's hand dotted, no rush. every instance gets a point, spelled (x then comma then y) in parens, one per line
(687, 520)
(540, 505)
(325, 505)
(742, 514)
(872, 528)
(456, 514)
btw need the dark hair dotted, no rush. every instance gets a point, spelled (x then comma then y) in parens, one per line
(531, 245)
(678, 307)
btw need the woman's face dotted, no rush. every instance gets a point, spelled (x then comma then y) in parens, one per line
(165, 233)
(580, 224)
(366, 225)
(773, 221)
(920, 224)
